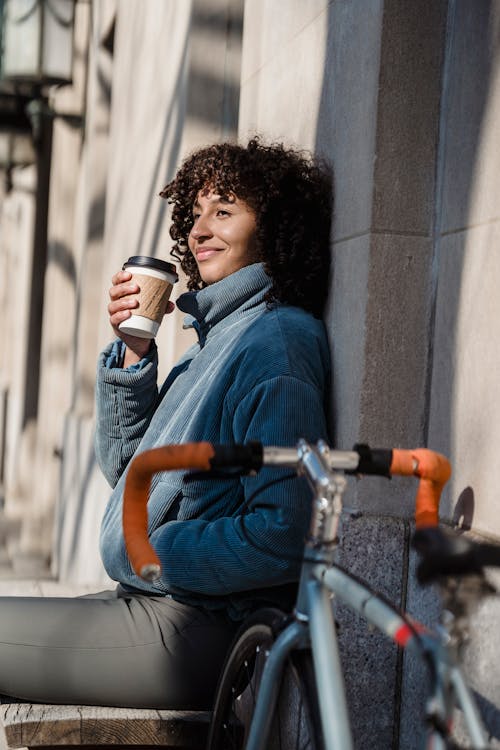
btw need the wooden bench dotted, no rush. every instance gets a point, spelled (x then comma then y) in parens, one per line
(35, 725)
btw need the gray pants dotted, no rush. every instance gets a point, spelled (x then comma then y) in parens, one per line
(111, 649)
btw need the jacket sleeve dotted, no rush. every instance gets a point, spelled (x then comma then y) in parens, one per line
(261, 545)
(125, 402)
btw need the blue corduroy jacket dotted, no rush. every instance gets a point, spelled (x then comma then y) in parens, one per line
(258, 372)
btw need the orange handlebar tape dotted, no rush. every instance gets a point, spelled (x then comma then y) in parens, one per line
(144, 559)
(434, 470)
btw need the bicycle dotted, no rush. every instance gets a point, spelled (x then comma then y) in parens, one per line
(277, 656)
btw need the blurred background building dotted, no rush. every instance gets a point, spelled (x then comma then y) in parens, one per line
(99, 101)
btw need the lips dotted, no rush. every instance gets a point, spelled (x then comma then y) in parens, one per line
(204, 253)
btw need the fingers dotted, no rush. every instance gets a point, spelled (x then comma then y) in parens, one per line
(123, 299)
(122, 285)
(122, 296)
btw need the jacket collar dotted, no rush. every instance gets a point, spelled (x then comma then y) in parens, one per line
(239, 292)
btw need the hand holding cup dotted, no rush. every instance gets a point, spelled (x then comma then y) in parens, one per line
(139, 299)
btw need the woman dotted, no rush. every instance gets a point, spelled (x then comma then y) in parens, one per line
(251, 230)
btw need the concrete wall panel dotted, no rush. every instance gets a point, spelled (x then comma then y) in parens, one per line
(16, 248)
(470, 86)
(465, 417)
(464, 414)
(408, 116)
(272, 27)
(444, 362)
(393, 396)
(346, 314)
(281, 99)
(346, 127)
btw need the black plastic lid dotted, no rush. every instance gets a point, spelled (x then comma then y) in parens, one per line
(149, 262)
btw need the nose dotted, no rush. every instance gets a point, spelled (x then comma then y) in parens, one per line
(201, 228)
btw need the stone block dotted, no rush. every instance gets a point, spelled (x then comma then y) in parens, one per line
(398, 325)
(373, 548)
(345, 321)
(408, 116)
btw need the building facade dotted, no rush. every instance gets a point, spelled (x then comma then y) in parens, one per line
(404, 99)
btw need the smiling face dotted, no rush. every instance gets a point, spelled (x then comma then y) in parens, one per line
(223, 236)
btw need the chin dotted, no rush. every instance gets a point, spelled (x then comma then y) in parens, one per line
(211, 278)
(212, 275)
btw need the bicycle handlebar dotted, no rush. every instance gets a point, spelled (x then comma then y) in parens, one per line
(431, 468)
(144, 559)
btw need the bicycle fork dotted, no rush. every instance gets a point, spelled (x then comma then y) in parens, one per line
(318, 630)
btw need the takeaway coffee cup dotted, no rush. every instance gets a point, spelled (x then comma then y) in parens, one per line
(155, 279)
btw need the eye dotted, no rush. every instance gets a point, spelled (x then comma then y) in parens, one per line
(223, 212)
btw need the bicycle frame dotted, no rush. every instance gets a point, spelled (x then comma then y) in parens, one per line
(314, 624)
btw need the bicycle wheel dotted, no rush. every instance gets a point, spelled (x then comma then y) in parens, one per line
(296, 723)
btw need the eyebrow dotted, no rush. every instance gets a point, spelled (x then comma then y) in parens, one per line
(215, 199)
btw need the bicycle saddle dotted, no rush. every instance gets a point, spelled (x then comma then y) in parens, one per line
(445, 553)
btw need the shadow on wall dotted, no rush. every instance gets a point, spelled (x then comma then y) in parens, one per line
(62, 257)
(213, 93)
(464, 510)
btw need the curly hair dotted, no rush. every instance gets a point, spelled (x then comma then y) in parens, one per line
(291, 195)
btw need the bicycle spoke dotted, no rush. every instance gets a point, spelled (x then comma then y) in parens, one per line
(299, 725)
